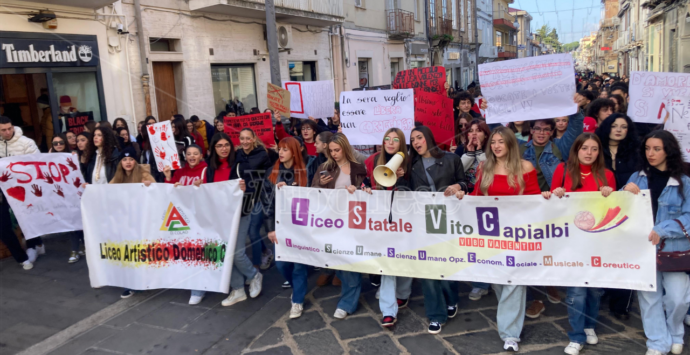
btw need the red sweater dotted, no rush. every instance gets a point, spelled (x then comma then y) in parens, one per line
(311, 149)
(588, 182)
(186, 176)
(500, 186)
(221, 174)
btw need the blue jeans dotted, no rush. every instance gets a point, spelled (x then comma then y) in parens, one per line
(483, 286)
(256, 221)
(296, 275)
(392, 288)
(664, 329)
(241, 267)
(583, 311)
(438, 295)
(510, 315)
(350, 290)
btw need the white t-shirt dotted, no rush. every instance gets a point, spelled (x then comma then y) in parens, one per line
(343, 181)
(102, 179)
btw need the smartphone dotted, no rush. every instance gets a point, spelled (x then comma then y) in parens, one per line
(325, 173)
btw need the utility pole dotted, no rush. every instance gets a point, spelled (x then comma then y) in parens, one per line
(272, 41)
(476, 42)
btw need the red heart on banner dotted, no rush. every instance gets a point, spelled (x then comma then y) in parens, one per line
(17, 192)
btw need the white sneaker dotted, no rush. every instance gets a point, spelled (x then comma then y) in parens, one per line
(32, 254)
(592, 338)
(676, 348)
(378, 293)
(653, 352)
(687, 320)
(236, 296)
(573, 348)
(266, 259)
(510, 345)
(339, 314)
(255, 285)
(195, 300)
(27, 265)
(477, 293)
(296, 310)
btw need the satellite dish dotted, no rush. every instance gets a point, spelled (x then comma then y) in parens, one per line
(283, 40)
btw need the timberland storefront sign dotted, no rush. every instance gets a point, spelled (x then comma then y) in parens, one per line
(47, 53)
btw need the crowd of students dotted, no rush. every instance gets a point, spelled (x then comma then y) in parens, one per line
(598, 148)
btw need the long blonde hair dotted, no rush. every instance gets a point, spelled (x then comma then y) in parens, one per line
(121, 176)
(341, 140)
(513, 164)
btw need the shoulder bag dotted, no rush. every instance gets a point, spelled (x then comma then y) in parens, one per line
(676, 261)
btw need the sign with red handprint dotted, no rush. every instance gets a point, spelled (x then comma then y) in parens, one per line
(163, 145)
(44, 192)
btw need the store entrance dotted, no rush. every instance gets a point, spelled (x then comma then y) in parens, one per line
(25, 99)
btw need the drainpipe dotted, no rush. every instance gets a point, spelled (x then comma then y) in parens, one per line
(343, 58)
(142, 57)
(428, 38)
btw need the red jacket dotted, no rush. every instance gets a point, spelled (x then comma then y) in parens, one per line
(186, 176)
(199, 140)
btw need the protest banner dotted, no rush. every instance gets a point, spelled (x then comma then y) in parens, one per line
(584, 240)
(74, 122)
(678, 123)
(529, 89)
(650, 94)
(279, 100)
(365, 116)
(260, 123)
(43, 191)
(173, 237)
(311, 98)
(163, 145)
(429, 80)
(436, 112)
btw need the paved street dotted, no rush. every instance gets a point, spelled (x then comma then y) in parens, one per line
(52, 310)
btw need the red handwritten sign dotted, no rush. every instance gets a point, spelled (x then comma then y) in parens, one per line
(260, 123)
(429, 80)
(436, 112)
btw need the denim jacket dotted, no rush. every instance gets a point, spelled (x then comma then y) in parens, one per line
(548, 161)
(671, 206)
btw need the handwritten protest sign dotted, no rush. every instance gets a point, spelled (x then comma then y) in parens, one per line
(163, 145)
(651, 92)
(678, 123)
(366, 115)
(430, 80)
(529, 88)
(279, 100)
(74, 122)
(44, 191)
(260, 123)
(311, 98)
(436, 112)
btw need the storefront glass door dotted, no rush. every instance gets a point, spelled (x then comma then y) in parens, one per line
(25, 100)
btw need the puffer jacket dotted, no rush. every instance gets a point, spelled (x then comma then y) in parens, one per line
(17, 145)
(252, 168)
(672, 205)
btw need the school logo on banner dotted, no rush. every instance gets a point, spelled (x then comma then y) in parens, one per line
(174, 220)
(585, 220)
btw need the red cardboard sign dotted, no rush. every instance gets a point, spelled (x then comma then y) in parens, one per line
(428, 80)
(436, 112)
(260, 123)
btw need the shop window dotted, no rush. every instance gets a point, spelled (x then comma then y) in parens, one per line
(302, 71)
(164, 45)
(395, 68)
(76, 92)
(234, 88)
(416, 64)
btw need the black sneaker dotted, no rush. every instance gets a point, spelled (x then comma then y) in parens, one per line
(452, 311)
(434, 327)
(403, 303)
(388, 321)
(286, 285)
(127, 294)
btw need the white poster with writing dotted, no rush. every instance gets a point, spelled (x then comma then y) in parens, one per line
(529, 88)
(44, 192)
(650, 94)
(311, 98)
(163, 145)
(365, 116)
(678, 123)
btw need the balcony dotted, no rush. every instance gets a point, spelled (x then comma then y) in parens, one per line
(610, 22)
(507, 51)
(301, 12)
(504, 21)
(89, 4)
(439, 26)
(400, 24)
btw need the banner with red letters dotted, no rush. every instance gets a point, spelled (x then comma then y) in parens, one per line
(44, 192)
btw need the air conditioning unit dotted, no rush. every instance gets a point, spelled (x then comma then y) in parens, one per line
(284, 36)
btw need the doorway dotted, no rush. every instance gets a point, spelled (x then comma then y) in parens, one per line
(24, 98)
(166, 97)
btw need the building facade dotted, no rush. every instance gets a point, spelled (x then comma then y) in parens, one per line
(505, 30)
(525, 47)
(605, 58)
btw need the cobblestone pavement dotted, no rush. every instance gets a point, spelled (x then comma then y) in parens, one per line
(52, 310)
